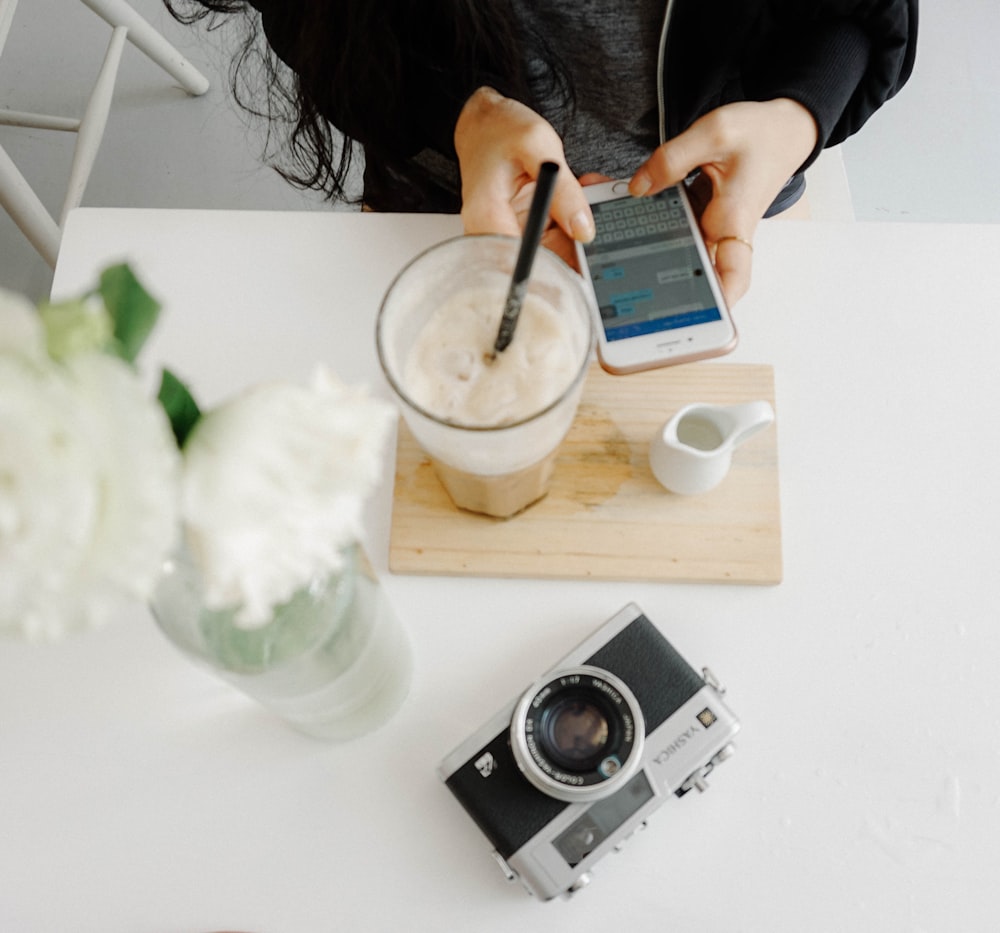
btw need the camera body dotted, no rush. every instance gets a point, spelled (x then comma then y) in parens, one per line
(569, 770)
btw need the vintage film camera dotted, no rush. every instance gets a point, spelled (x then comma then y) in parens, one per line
(572, 768)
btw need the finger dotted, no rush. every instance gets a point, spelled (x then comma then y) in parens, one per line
(570, 209)
(521, 204)
(733, 264)
(699, 192)
(555, 239)
(677, 158)
(593, 178)
(729, 228)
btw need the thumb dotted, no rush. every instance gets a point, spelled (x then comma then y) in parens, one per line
(673, 161)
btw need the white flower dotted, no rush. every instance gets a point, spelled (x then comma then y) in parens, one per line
(73, 327)
(273, 487)
(88, 487)
(21, 329)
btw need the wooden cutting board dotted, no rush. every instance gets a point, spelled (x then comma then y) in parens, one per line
(606, 517)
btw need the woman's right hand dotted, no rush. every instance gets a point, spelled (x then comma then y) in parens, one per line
(501, 145)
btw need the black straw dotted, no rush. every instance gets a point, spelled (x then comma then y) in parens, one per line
(538, 215)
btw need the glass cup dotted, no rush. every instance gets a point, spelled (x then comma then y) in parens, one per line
(493, 446)
(333, 662)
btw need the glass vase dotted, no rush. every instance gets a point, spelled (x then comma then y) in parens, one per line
(333, 661)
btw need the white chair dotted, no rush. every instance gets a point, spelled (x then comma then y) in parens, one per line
(16, 195)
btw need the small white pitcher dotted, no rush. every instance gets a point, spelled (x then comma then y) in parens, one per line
(691, 453)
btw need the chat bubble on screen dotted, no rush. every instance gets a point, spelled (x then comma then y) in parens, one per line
(670, 276)
(642, 294)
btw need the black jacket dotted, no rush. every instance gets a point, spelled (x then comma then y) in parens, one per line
(842, 59)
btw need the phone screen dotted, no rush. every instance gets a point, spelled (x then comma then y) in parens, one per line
(647, 272)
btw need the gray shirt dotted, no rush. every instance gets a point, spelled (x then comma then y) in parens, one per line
(609, 48)
(609, 51)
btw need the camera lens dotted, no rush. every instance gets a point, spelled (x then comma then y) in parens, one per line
(578, 735)
(575, 731)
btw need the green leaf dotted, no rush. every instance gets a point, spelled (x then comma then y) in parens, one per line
(133, 310)
(179, 404)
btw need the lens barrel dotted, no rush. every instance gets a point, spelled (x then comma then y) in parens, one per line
(578, 734)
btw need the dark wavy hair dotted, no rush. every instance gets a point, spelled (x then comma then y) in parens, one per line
(390, 75)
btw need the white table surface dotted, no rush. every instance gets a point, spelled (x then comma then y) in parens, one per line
(138, 793)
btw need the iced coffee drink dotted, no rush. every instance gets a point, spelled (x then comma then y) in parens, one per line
(491, 424)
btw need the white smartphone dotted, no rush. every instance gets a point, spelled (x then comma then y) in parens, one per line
(656, 295)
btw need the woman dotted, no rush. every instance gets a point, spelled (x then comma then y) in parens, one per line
(456, 103)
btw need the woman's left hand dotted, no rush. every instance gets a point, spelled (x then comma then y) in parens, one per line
(747, 151)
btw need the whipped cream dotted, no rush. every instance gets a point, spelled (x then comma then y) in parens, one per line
(448, 372)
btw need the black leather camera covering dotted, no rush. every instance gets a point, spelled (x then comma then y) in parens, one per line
(508, 809)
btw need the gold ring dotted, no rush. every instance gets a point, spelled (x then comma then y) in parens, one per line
(738, 239)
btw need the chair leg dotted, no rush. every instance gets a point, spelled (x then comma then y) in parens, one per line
(19, 200)
(95, 118)
(7, 8)
(145, 38)
(38, 121)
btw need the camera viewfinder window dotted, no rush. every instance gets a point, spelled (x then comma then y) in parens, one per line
(602, 820)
